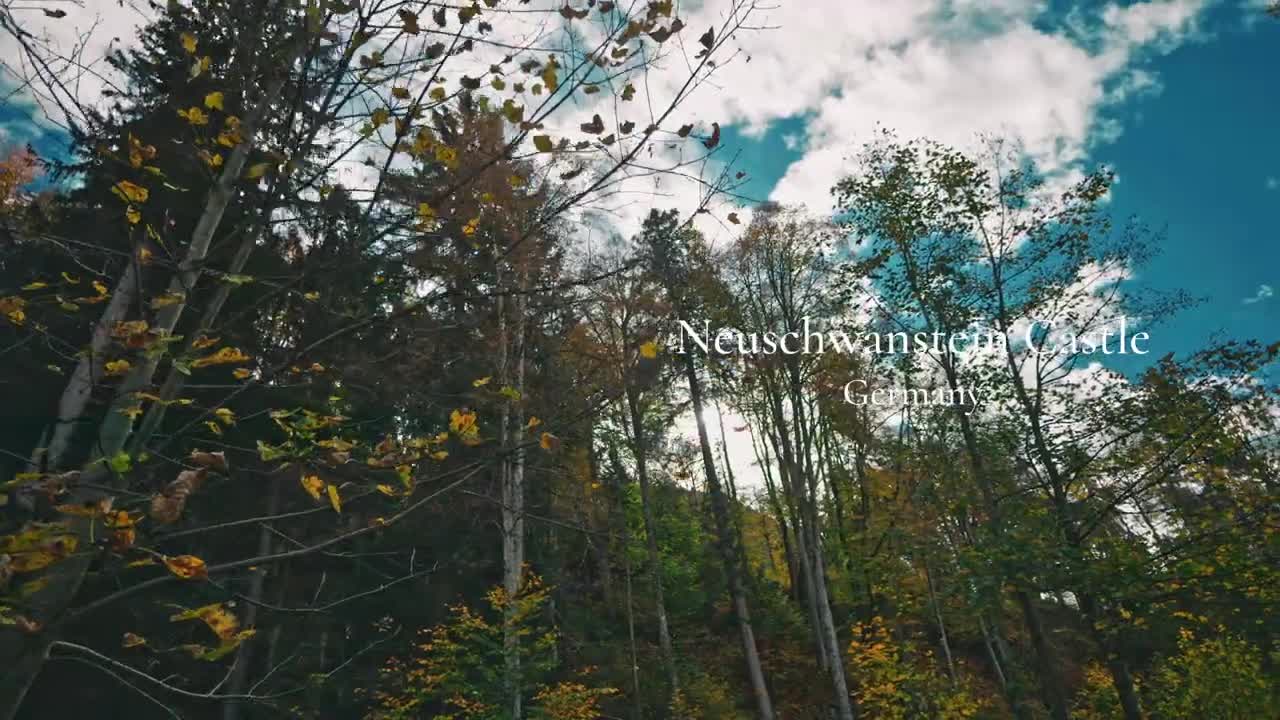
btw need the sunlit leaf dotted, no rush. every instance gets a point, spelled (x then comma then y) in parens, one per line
(187, 567)
(313, 485)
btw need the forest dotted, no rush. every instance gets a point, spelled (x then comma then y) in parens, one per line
(338, 380)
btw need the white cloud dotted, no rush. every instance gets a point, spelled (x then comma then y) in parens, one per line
(945, 70)
(1263, 292)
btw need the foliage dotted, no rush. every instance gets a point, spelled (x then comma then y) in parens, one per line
(897, 683)
(1217, 678)
(453, 670)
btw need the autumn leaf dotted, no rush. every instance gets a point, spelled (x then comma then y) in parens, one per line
(549, 442)
(217, 616)
(543, 143)
(116, 367)
(708, 39)
(463, 424)
(335, 500)
(684, 130)
(194, 116)
(188, 43)
(400, 93)
(595, 127)
(130, 192)
(534, 422)
(212, 460)
(225, 415)
(481, 382)
(409, 20)
(711, 142)
(256, 170)
(313, 485)
(213, 100)
(649, 350)
(241, 373)
(171, 297)
(132, 640)
(733, 218)
(187, 567)
(224, 356)
(549, 77)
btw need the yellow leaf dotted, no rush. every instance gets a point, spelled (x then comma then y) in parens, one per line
(311, 296)
(116, 367)
(241, 373)
(130, 193)
(188, 43)
(534, 422)
(217, 616)
(549, 442)
(387, 490)
(481, 382)
(202, 342)
(334, 498)
(470, 228)
(549, 75)
(224, 356)
(649, 350)
(132, 640)
(102, 289)
(313, 485)
(132, 215)
(194, 115)
(187, 567)
(213, 100)
(225, 415)
(257, 170)
(169, 298)
(35, 285)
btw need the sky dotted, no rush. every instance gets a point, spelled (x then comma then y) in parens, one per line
(1178, 97)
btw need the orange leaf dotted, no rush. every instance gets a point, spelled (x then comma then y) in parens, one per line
(187, 567)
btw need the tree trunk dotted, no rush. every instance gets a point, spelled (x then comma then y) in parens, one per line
(728, 550)
(232, 710)
(942, 626)
(651, 537)
(1055, 696)
(118, 424)
(75, 397)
